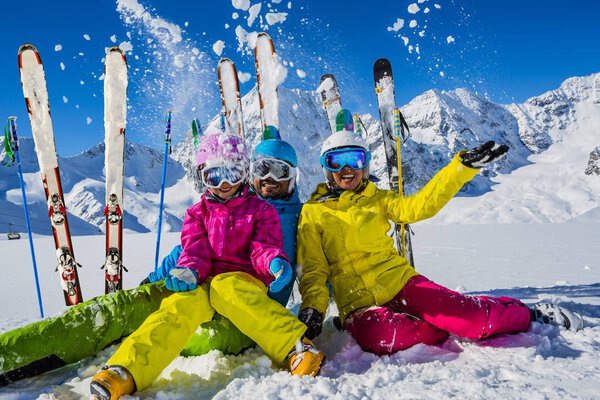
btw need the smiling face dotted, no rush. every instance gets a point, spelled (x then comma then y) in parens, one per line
(348, 178)
(269, 188)
(225, 191)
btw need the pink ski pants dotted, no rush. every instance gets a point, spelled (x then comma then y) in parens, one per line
(425, 312)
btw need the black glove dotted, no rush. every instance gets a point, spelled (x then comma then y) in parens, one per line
(313, 321)
(485, 154)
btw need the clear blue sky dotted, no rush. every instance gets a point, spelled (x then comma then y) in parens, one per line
(506, 50)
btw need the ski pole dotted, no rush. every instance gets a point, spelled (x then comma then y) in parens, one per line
(12, 126)
(196, 132)
(223, 125)
(162, 186)
(397, 128)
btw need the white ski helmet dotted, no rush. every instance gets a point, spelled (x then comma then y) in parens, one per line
(344, 139)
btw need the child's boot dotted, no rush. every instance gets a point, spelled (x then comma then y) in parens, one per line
(547, 313)
(305, 359)
(112, 382)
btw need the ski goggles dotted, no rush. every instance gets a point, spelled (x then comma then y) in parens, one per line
(214, 177)
(278, 170)
(353, 157)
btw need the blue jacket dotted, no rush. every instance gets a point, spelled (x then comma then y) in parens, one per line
(289, 212)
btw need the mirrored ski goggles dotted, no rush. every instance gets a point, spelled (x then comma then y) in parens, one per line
(278, 170)
(214, 177)
(353, 157)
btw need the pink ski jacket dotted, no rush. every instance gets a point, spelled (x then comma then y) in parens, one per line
(241, 234)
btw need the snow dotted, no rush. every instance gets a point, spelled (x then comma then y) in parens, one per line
(244, 77)
(241, 4)
(301, 73)
(87, 37)
(275, 18)
(115, 121)
(65, 99)
(399, 24)
(88, 120)
(34, 87)
(126, 47)
(113, 38)
(218, 47)
(413, 8)
(62, 66)
(230, 93)
(272, 74)
(58, 47)
(253, 13)
(450, 39)
(557, 262)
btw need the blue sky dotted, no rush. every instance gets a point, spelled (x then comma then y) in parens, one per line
(505, 50)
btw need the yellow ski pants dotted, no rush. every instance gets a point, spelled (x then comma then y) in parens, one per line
(237, 296)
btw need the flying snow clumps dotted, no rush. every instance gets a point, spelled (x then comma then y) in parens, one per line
(86, 37)
(244, 77)
(178, 61)
(58, 47)
(218, 47)
(62, 66)
(301, 74)
(413, 8)
(88, 120)
(274, 18)
(450, 39)
(65, 99)
(126, 47)
(399, 24)
(253, 13)
(113, 38)
(241, 4)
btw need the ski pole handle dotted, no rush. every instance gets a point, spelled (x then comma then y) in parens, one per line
(357, 125)
(223, 126)
(12, 126)
(168, 130)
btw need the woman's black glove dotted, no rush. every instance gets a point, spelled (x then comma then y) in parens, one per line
(313, 321)
(485, 154)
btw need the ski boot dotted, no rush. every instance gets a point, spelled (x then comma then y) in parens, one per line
(112, 382)
(305, 359)
(546, 313)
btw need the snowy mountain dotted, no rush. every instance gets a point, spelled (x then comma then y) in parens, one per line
(550, 174)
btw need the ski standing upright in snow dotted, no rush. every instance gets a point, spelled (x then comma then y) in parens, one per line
(33, 81)
(330, 96)
(269, 74)
(115, 114)
(229, 86)
(384, 88)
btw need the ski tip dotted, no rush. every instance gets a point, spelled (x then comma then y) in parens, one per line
(224, 60)
(114, 49)
(328, 76)
(27, 46)
(271, 132)
(382, 61)
(264, 34)
(382, 65)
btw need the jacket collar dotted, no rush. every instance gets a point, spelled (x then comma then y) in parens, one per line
(324, 192)
(241, 195)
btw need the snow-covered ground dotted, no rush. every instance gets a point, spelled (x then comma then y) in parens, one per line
(533, 262)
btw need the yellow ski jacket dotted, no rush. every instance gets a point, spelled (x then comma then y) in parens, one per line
(344, 240)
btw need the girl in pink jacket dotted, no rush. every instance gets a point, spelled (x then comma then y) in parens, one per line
(232, 257)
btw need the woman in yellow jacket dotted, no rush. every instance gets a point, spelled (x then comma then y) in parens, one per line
(383, 302)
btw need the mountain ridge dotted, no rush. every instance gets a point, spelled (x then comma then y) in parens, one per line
(442, 123)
